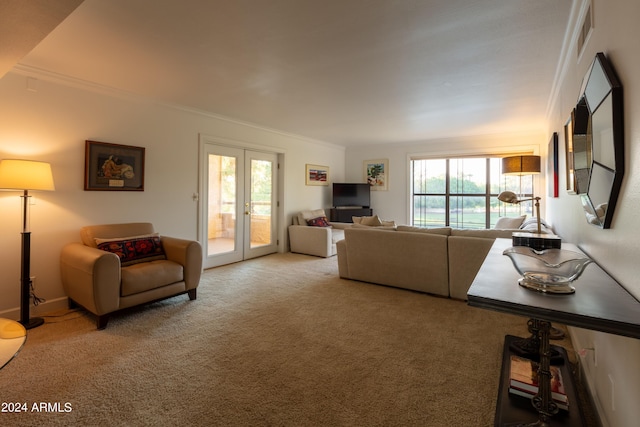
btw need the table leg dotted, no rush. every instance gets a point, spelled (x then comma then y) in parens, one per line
(542, 401)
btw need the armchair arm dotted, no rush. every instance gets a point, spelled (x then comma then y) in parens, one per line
(187, 253)
(310, 240)
(91, 277)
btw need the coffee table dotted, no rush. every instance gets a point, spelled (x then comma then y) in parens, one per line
(12, 338)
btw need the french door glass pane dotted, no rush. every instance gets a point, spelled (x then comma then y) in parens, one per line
(222, 204)
(261, 196)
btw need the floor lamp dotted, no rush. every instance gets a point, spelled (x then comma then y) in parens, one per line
(26, 175)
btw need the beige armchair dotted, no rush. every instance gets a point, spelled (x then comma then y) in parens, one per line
(133, 266)
(317, 241)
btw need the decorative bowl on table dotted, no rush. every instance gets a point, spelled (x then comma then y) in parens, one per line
(549, 270)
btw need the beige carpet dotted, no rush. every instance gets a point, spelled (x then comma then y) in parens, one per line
(276, 341)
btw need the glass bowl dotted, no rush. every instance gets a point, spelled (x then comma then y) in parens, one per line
(549, 270)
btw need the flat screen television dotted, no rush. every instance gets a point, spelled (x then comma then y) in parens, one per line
(351, 195)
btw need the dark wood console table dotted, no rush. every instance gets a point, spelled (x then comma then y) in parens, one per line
(599, 303)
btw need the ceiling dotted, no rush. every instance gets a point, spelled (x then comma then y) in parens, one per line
(349, 72)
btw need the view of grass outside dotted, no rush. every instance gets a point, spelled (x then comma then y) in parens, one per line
(463, 193)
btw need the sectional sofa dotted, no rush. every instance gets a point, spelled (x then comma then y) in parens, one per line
(440, 261)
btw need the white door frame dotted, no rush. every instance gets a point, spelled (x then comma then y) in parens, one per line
(205, 140)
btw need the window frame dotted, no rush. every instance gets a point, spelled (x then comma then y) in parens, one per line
(505, 183)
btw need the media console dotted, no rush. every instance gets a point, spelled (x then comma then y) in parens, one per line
(345, 214)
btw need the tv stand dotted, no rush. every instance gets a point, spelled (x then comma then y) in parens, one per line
(345, 214)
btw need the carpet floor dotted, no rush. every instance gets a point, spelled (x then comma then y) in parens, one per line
(276, 341)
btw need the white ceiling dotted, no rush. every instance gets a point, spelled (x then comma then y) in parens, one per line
(350, 72)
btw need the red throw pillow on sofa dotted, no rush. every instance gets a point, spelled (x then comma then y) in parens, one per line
(318, 222)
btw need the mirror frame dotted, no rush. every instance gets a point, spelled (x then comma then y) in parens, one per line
(600, 83)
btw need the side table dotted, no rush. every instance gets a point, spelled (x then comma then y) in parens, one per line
(12, 337)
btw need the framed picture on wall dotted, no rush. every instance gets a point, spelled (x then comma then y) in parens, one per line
(552, 166)
(376, 173)
(113, 167)
(316, 175)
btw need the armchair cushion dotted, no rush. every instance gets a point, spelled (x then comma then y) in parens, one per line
(149, 275)
(134, 250)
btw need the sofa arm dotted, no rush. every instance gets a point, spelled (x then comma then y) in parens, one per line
(187, 253)
(466, 255)
(91, 277)
(310, 240)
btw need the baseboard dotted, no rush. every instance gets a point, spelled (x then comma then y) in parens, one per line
(39, 310)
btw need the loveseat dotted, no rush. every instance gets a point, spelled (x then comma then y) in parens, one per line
(118, 266)
(440, 261)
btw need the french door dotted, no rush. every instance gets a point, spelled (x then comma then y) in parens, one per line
(238, 204)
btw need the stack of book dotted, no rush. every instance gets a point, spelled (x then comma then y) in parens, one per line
(523, 381)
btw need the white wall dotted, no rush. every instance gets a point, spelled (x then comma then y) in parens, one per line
(394, 203)
(52, 123)
(617, 250)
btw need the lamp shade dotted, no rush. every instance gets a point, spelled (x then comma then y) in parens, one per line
(25, 175)
(520, 165)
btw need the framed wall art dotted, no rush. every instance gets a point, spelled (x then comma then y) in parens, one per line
(552, 167)
(376, 173)
(316, 175)
(113, 167)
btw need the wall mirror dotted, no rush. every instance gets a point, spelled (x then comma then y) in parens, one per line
(598, 143)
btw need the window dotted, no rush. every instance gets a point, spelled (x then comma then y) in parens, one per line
(463, 192)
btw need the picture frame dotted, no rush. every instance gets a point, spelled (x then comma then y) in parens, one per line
(376, 173)
(113, 167)
(552, 167)
(316, 175)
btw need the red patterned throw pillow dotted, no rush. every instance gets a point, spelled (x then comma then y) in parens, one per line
(318, 222)
(133, 250)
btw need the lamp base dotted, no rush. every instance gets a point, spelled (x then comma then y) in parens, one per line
(536, 241)
(34, 322)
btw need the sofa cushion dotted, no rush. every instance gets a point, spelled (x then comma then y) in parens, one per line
(484, 233)
(320, 221)
(149, 275)
(507, 223)
(531, 225)
(372, 221)
(445, 231)
(134, 249)
(306, 215)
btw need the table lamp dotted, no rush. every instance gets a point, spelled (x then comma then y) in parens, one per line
(26, 175)
(527, 165)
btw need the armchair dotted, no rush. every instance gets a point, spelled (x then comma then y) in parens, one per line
(118, 266)
(313, 240)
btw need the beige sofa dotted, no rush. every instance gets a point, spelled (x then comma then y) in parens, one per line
(441, 261)
(317, 241)
(118, 276)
